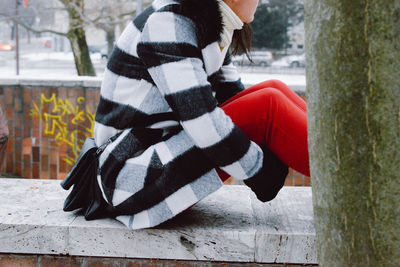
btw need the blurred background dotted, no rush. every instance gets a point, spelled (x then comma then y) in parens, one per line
(63, 39)
(47, 29)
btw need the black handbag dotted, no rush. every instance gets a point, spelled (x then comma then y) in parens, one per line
(86, 194)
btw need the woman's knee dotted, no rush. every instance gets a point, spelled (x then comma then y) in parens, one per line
(272, 94)
(277, 84)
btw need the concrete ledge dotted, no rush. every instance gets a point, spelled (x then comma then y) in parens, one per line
(70, 81)
(86, 81)
(229, 226)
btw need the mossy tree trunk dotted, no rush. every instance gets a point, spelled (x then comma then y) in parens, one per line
(77, 37)
(353, 83)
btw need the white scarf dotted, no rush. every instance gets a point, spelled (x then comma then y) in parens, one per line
(231, 23)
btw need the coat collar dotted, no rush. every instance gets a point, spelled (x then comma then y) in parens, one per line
(207, 16)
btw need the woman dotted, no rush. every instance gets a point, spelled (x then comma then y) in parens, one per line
(176, 121)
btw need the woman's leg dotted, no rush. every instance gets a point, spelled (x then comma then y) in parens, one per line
(272, 119)
(297, 100)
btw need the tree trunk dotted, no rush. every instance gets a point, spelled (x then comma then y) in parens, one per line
(3, 138)
(110, 37)
(77, 38)
(353, 80)
(83, 63)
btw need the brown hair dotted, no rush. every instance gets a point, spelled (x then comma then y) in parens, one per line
(241, 40)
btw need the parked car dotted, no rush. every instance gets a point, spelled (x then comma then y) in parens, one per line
(104, 51)
(259, 58)
(101, 49)
(296, 61)
(6, 46)
(293, 61)
(95, 48)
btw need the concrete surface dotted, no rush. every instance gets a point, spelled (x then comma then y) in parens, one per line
(229, 225)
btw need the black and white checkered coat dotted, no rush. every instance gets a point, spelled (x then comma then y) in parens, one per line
(160, 93)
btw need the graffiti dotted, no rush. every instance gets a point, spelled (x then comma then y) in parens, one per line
(56, 122)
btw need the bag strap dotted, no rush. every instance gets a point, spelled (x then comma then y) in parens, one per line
(101, 148)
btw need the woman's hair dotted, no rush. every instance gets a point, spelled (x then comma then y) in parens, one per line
(241, 40)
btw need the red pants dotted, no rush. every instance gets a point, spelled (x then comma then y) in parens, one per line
(272, 116)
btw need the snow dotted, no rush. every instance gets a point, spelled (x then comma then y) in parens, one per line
(64, 75)
(60, 66)
(48, 56)
(289, 79)
(59, 56)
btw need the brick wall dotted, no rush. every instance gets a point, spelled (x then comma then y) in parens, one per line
(47, 126)
(48, 122)
(12, 260)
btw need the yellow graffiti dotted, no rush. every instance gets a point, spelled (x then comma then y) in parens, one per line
(56, 122)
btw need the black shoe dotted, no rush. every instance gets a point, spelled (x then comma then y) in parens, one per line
(270, 179)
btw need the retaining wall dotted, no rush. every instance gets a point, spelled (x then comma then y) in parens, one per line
(48, 121)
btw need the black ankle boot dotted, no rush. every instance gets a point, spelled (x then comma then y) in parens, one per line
(270, 179)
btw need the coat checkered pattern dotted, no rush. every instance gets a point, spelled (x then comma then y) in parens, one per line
(160, 95)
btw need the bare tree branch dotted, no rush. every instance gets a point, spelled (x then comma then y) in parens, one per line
(31, 28)
(96, 22)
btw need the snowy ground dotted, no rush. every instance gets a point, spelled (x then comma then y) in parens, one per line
(60, 65)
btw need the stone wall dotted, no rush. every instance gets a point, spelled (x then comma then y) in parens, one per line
(48, 121)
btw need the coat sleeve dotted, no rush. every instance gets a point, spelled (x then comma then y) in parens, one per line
(169, 48)
(227, 82)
